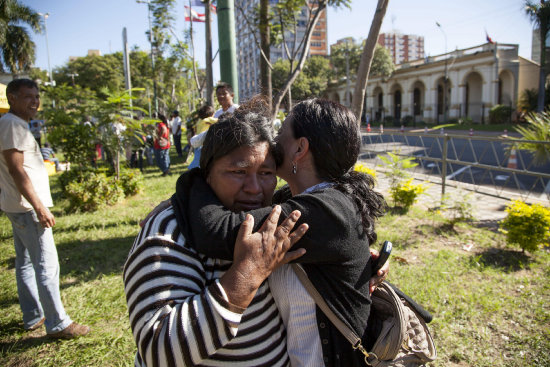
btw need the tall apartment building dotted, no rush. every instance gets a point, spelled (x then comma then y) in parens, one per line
(402, 47)
(248, 51)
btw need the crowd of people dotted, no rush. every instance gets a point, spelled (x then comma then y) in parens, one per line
(207, 279)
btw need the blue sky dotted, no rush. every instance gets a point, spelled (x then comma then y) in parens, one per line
(74, 26)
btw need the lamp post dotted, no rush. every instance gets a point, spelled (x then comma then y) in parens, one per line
(445, 77)
(45, 16)
(72, 75)
(152, 51)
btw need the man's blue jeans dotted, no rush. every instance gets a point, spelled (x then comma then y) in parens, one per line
(37, 273)
(163, 159)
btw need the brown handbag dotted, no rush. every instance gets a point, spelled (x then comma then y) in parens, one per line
(404, 341)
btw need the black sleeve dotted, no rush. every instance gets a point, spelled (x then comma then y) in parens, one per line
(214, 228)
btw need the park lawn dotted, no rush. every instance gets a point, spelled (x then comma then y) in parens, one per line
(490, 304)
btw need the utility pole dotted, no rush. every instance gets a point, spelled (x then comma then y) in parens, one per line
(226, 36)
(127, 74)
(208, 36)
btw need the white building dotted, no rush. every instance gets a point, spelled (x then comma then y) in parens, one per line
(477, 79)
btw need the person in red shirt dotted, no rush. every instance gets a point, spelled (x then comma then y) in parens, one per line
(161, 145)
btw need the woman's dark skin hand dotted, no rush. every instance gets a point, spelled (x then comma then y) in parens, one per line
(381, 275)
(258, 254)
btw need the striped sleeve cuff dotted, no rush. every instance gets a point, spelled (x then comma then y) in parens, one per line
(229, 312)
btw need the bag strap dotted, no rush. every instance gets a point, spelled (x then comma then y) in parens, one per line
(346, 331)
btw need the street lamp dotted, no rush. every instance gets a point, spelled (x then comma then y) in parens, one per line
(45, 16)
(152, 53)
(72, 75)
(445, 77)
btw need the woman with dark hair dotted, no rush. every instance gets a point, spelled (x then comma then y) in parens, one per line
(317, 148)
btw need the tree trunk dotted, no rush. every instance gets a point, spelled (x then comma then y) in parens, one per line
(366, 59)
(265, 70)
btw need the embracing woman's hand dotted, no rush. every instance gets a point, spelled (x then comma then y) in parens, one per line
(381, 275)
(257, 254)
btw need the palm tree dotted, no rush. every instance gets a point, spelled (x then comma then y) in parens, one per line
(540, 16)
(17, 50)
(538, 129)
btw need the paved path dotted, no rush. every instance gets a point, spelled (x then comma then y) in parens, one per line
(487, 208)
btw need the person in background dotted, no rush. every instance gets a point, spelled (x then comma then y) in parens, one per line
(36, 130)
(176, 132)
(25, 198)
(205, 121)
(225, 94)
(49, 155)
(162, 145)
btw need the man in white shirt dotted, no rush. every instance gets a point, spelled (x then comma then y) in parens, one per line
(225, 94)
(175, 124)
(25, 198)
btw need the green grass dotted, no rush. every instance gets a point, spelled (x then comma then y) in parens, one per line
(490, 304)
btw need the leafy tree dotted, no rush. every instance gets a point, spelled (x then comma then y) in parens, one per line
(104, 74)
(65, 122)
(94, 72)
(312, 82)
(382, 63)
(17, 50)
(539, 13)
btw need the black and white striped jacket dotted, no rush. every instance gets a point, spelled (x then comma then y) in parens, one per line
(178, 314)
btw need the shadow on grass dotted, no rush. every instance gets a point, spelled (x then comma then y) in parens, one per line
(86, 227)
(489, 224)
(397, 210)
(86, 261)
(503, 259)
(16, 349)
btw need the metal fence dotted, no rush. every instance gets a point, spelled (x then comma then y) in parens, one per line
(484, 164)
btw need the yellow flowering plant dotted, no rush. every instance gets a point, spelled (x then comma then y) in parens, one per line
(527, 226)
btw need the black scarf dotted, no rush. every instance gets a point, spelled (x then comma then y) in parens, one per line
(188, 184)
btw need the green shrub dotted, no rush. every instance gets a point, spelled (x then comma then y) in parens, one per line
(465, 120)
(407, 120)
(500, 114)
(131, 182)
(388, 120)
(94, 192)
(527, 226)
(405, 193)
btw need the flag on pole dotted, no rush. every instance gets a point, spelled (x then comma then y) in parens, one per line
(489, 39)
(200, 3)
(192, 15)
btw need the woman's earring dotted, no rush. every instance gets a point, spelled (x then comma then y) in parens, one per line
(294, 167)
